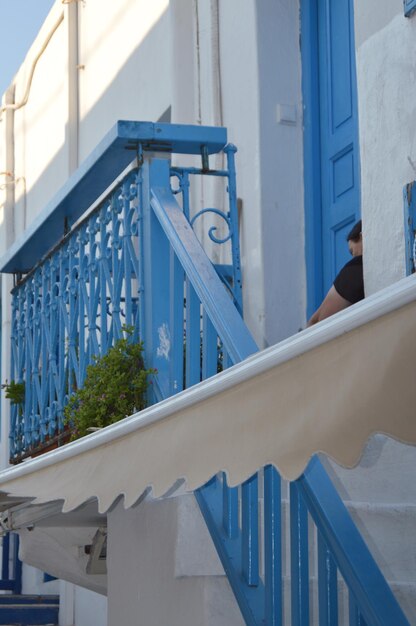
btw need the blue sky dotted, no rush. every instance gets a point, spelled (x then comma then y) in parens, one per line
(20, 21)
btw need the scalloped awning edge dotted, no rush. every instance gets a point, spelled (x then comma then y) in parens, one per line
(331, 398)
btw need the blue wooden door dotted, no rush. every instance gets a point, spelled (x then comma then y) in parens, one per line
(338, 119)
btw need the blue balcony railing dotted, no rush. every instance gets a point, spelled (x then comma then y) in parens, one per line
(74, 303)
(70, 307)
(135, 260)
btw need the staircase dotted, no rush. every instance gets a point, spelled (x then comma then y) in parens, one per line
(15, 607)
(27, 610)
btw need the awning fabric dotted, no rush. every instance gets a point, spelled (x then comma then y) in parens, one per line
(327, 389)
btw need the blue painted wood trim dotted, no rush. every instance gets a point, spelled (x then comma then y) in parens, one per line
(299, 558)
(273, 547)
(312, 155)
(228, 323)
(28, 614)
(409, 203)
(356, 564)
(112, 155)
(409, 7)
(17, 566)
(327, 585)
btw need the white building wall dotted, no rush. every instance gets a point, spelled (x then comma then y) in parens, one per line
(163, 568)
(90, 608)
(386, 52)
(237, 73)
(40, 152)
(125, 69)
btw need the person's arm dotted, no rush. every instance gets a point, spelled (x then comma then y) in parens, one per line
(332, 303)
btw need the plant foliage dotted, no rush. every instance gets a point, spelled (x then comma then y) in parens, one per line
(115, 387)
(15, 392)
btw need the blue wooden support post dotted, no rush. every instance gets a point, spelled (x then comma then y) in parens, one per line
(14, 426)
(209, 348)
(230, 151)
(17, 567)
(273, 547)
(5, 556)
(250, 531)
(156, 271)
(299, 558)
(367, 584)
(327, 585)
(103, 286)
(193, 336)
(355, 617)
(229, 509)
(177, 323)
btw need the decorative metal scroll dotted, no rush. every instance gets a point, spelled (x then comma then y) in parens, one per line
(230, 217)
(69, 308)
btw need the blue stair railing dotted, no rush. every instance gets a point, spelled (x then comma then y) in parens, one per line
(135, 260)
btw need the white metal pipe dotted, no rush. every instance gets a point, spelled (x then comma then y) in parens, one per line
(18, 105)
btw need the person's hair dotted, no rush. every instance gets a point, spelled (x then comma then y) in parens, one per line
(355, 232)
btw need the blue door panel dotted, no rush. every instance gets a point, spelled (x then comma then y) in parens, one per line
(340, 190)
(337, 16)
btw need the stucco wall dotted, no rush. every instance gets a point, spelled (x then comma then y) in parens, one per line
(121, 70)
(133, 60)
(386, 52)
(281, 168)
(170, 572)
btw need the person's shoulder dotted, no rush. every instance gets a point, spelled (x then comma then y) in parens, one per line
(355, 261)
(349, 282)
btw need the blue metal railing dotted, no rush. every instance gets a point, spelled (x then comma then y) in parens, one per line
(74, 303)
(72, 306)
(136, 260)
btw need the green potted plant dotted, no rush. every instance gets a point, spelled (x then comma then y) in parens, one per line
(115, 387)
(15, 392)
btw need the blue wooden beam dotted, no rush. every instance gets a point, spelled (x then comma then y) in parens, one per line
(112, 155)
(218, 305)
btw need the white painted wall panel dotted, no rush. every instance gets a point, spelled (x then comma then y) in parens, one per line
(386, 75)
(40, 125)
(126, 74)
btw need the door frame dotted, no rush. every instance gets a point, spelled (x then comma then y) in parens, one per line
(312, 159)
(311, 154)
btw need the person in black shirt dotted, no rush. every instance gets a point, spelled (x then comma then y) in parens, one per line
(348, 287)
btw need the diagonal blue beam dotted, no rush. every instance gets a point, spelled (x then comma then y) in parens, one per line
(366, 582)
(227, 321)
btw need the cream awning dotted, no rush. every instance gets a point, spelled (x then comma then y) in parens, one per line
(327, 389)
